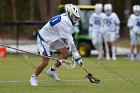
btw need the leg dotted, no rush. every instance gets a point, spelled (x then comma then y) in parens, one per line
(132, 52)
(107, 50)
(43, 50)
(113, 48)
(61, 47)
(106, 37)
(133, 42)
(113, 45)
(100, 45)
(63, 55)
(39, 69)
(53, 70)
(41, 66)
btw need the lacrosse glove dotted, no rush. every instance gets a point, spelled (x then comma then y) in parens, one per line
(78, 60)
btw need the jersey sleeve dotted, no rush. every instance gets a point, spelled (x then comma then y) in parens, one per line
(91, 23)
(117, 20)
(130, 22)
(65, 29)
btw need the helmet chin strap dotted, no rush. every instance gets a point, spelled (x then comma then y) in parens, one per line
(73, 23)
(72, 19)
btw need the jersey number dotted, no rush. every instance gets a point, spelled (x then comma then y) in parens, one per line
(108, 23)
(138, 23)
(55, 20)
(97, 22)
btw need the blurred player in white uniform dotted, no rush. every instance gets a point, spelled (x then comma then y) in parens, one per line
(134, 26)
(57, 35)
(95, 29)
(111, 30)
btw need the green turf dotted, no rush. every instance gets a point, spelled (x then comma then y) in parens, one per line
(122, 76)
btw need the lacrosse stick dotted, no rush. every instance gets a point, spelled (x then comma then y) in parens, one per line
(66, 63)
(91, 78)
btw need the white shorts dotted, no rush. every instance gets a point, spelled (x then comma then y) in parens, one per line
(46, 48)
(134, 39)
(97, 37)
(109, 36)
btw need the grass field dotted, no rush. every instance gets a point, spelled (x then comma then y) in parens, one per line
(122, 76)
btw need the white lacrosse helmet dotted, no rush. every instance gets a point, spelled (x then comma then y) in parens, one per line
(71, 10)
(136, 9)
(98, 8)
(108, 9)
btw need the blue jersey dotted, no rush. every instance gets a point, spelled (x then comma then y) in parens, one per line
(111, 22)
(60, 26)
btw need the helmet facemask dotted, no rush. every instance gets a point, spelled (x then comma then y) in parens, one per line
(98, 8)
(73, 12)
(74, 18)
(136, 10)
(108, 9)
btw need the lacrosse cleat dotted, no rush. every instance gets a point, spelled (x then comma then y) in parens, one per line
(53, 74)
(132, 57)
(33, 81)
(114, 58)
(100, 57)
(108, 58)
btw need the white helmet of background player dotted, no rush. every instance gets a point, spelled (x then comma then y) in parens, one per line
(98, 8)
(73, 12)
(108, 9)
(136, 9)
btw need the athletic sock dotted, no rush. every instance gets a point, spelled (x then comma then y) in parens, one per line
(114, 51)
(53, 68)
(34, 75)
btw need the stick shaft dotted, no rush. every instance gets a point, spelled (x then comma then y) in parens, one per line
(29, 52)
(85, 69)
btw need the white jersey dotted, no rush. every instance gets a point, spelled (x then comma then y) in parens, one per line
(96, 21)
(134, 23)
(111, 22)
(59, 26)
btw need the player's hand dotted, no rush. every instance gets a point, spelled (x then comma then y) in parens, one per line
(137, 33)
(79, 61)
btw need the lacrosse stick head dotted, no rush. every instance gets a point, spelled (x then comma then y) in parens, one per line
(92, 79)
(68, 64)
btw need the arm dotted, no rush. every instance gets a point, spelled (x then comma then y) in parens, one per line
(90, 25)
(76, 56)
(117, 23)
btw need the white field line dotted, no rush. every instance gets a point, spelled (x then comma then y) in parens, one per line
(20, 81)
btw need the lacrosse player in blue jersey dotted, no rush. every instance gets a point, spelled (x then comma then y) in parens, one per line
(134, 26)
(57, 35)
(95, 29)
(111, 30)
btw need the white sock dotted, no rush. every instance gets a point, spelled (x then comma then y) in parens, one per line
(114, 51)
(34, 75)
(107, 55)
(54, 68)
(107, 50)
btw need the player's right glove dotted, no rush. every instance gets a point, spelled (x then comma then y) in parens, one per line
(77, 58)
(79, 61)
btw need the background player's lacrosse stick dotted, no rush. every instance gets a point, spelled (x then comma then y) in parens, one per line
(91, 78)
(66, 63)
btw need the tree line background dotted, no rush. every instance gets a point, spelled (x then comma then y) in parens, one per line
(42, 10)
